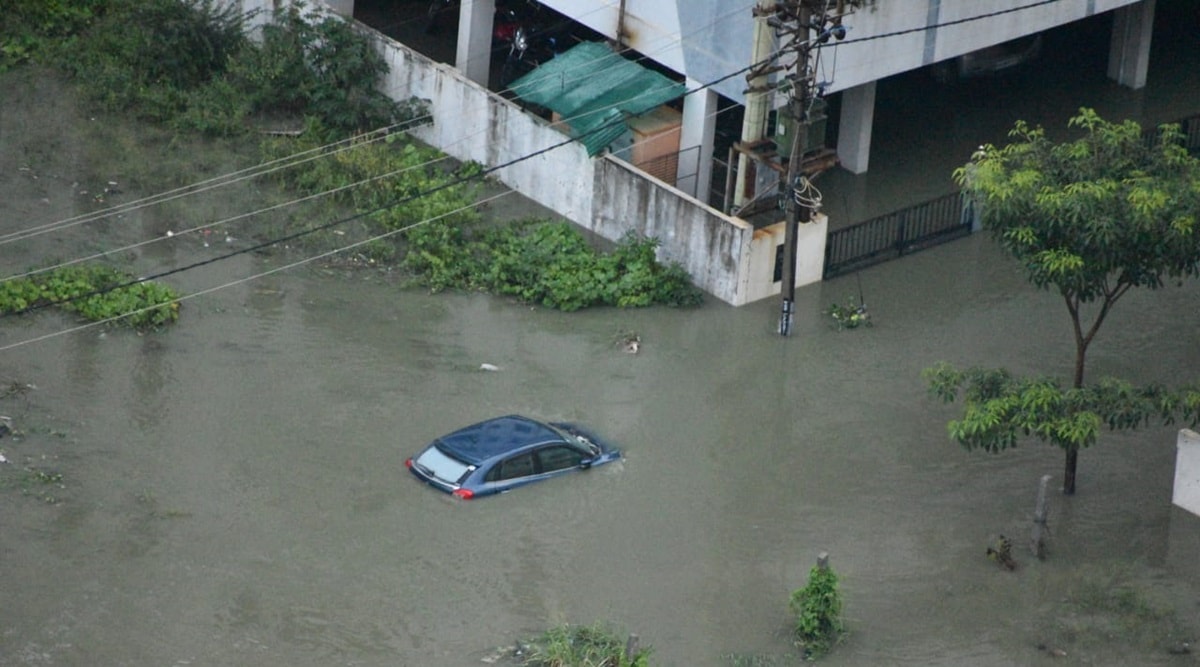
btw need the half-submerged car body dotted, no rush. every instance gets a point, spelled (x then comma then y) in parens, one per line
(500, 454)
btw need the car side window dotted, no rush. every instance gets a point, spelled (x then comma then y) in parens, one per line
(518, 466)
(558, 457)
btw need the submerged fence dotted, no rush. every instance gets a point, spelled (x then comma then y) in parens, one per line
(898, 233)
(931, 222)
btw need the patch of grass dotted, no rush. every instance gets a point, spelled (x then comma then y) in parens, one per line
(583, 646)
(1104, 605)
(35, 482)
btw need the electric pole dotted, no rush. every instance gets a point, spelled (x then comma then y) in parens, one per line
(808, 24)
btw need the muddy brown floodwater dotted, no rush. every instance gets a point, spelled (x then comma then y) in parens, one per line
(233, 491)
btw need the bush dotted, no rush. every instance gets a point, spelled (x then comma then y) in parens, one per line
(818, 611)
(30, 27)
(148, 55)
(583, 646)
(95, 292)
(188, 64)
(318, 65)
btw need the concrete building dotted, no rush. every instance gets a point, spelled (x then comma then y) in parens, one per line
(708, 44)
(704, 40)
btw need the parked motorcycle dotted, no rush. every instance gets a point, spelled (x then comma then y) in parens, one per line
(531, 42)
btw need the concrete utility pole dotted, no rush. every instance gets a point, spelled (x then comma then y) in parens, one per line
(809, 23)
(758, 103)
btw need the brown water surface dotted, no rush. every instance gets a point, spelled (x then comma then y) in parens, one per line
(233, 489)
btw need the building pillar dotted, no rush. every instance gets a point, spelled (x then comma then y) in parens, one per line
(854, 129)
(694, 173)
(1129, 50)
(474, 55)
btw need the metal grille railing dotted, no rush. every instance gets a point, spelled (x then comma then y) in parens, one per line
(897, 233)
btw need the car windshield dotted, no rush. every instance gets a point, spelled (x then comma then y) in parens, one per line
(443, 467)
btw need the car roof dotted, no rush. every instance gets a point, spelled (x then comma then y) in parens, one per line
(478, 442)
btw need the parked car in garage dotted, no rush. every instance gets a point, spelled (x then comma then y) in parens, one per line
(991, 60)
(502, 453)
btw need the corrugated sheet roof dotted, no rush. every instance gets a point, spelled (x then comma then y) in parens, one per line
(594, 90)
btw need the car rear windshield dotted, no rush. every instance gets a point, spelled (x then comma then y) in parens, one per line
(445, 468)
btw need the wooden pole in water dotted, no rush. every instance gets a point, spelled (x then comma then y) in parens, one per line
(1037, 541)
(823, 560)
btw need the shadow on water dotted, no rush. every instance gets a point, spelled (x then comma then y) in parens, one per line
(233, 490)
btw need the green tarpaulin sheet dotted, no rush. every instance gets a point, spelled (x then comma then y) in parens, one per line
(594, 90)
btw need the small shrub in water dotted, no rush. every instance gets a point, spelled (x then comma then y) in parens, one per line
(583, 646)
(96, 293)
(818, 611)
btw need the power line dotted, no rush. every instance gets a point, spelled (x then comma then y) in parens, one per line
(478, 176)
(218, 181)
(252, 172)
(258, 170)
(936, 26)
(239, 281)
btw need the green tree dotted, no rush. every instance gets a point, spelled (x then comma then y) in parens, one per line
(1090, 219)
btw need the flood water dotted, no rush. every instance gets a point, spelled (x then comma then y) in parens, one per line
(233, 490)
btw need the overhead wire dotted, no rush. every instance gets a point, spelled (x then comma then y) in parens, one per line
(223, 180)
(319, 151)
(771, 58)
(227, 179)
(239, 281)
(220, 181)
(305, 232)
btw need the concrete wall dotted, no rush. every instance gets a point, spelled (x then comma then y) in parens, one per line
(605, 195)
(724, 255)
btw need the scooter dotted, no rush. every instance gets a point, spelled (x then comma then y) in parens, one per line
(529, 45)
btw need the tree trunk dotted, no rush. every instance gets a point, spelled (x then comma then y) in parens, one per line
(1069, 471)
(1081, 345)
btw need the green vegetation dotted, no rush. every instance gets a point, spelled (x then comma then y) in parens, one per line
(187, 65)
(1104, 605)
(95, 292)
(851, 315)
(190, 66)
(1090, 219)
(29, 27)
(438, 235)
(582, 646)
(34, 482)
(818, 611)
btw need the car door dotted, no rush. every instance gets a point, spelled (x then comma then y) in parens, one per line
(558, 458)
(512, 472)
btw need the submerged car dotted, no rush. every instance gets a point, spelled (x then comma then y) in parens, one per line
(503, 453)
(991, 60)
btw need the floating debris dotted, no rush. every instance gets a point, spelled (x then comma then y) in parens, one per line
(629, 341)
(489, 367)
(1002, 553)
(1052, 651)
